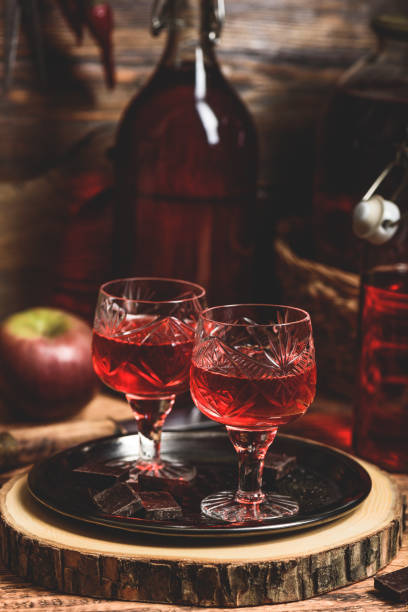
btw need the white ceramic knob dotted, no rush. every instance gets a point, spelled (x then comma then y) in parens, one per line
(376, 219)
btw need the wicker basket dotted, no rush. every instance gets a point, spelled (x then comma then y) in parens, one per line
(330, 295)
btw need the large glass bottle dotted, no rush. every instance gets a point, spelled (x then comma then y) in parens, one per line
(366, 120)
(186, 164)
(84, 258)
(381, 406)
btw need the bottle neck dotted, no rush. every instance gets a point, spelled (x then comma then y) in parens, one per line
(391, 28)
(193, 28)
(394, 51)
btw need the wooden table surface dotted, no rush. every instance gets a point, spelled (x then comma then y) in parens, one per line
(328, 421)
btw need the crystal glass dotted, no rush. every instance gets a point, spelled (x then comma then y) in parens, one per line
(142, 343)
(253, 369)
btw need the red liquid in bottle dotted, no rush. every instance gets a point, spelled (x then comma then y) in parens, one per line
(186, 178)
(85, 256)
(361, 134)
(144, 364)
(251, 403)
(381, 422)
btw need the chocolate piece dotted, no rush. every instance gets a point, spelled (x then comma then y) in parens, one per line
(394, 585)
(151, 483)
(103, 474)
(280, 465)
(119, 499)
(159, 505)
(178, 488)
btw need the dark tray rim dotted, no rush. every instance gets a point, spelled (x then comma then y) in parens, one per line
(277, 527)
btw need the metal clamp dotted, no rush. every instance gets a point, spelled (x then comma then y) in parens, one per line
(401, 159)
(217, 21)
(161, 12)
(159, 19)
(375, 218)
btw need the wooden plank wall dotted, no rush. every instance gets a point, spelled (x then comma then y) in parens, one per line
(283, 56)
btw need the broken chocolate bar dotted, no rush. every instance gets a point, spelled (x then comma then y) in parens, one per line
(280, 465)
(120, 499)
(177, 487)
(393, 585)
(100, 474)
(159, 505)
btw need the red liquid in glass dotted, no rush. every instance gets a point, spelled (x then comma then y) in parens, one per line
(381, 422)
(186, 180)
(361, 134)
(154, 368)
(250, 403)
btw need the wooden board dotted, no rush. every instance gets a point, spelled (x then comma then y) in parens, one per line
(62, 555)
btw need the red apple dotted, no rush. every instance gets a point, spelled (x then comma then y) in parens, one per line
(46, 363)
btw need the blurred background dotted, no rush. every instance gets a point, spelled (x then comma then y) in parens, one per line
(66, 223)
(282, 56)
(57, 128)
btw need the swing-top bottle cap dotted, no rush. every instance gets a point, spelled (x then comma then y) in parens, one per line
(376, 219)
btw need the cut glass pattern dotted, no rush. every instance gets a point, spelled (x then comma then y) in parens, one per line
(109, 317)
(168, 330)
(282, 355)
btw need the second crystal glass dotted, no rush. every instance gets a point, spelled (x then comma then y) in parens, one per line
(253, 369)
(142, 343)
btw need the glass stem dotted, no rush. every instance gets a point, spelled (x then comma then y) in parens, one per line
(251, 447)
(150, 416)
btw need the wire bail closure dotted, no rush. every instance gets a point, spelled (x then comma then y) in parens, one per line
(401, 159)
(159, 18)
(161, 13)
(217, 21)
(375, 218)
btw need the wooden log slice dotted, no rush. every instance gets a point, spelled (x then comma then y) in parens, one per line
(71, 557)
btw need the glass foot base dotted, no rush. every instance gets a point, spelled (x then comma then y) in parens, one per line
(222, 506)
(163, 469)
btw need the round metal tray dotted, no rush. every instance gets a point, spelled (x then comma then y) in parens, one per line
(327, 484)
